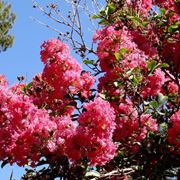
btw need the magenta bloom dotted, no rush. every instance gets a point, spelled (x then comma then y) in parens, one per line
(174, 131)
(94, 134)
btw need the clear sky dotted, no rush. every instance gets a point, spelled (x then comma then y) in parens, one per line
(23, 58)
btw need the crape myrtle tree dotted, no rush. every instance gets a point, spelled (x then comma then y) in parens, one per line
(120, 119)
(7, 19)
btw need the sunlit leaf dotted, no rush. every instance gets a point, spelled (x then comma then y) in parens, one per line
(87, 61)
(162, 99)
(92, 174)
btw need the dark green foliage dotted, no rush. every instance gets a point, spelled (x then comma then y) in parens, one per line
(7, 19)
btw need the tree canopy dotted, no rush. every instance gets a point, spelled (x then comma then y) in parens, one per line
(118, 119)
(7, 19)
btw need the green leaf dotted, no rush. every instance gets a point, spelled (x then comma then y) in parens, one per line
(87, 61)
(163, 126)
(96, 16)
(135, 79)
(162, 11)
(29, 85)
(92, 174)
(137, 21)
(123, 51)
(164, 65)
(153, 104)
(160, 113)
(107, 11)
(111, 8)
(146, 103)
(161, 23)
(151, 134)
(103, 22)
(170, 40)
(102, 12)
(145, 23)
(173, 28)
(162, 99)
(121, 153)
(118, 56)
(151, 66)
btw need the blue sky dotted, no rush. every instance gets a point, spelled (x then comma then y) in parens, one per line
(23, 58)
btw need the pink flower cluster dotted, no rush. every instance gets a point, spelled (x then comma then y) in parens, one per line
(28, 133)
(112, 41)
(35, 118)
(65, 130)
(153, 83)
(174, 131)
(61, 76)
(141, 6)
(172, 88)
(127, 121)
(121, 52)
(106, 84)
(23, 127)
(131, 129)
(94, 134)
(144, 44)
(169, 5)
(124, 54)
(170, 50)
(91, 138)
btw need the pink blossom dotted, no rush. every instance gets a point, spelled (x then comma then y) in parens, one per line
(52, 48)
(99, 118)
(126, 121)
(61, 76)
(172, 88)
(94, 134)
(169, 5)
(144, 44)
(142, 6)
(111, 41)
(174, 131)
(65, 130)
(149, 122)
(154, 83)
(24, 128)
